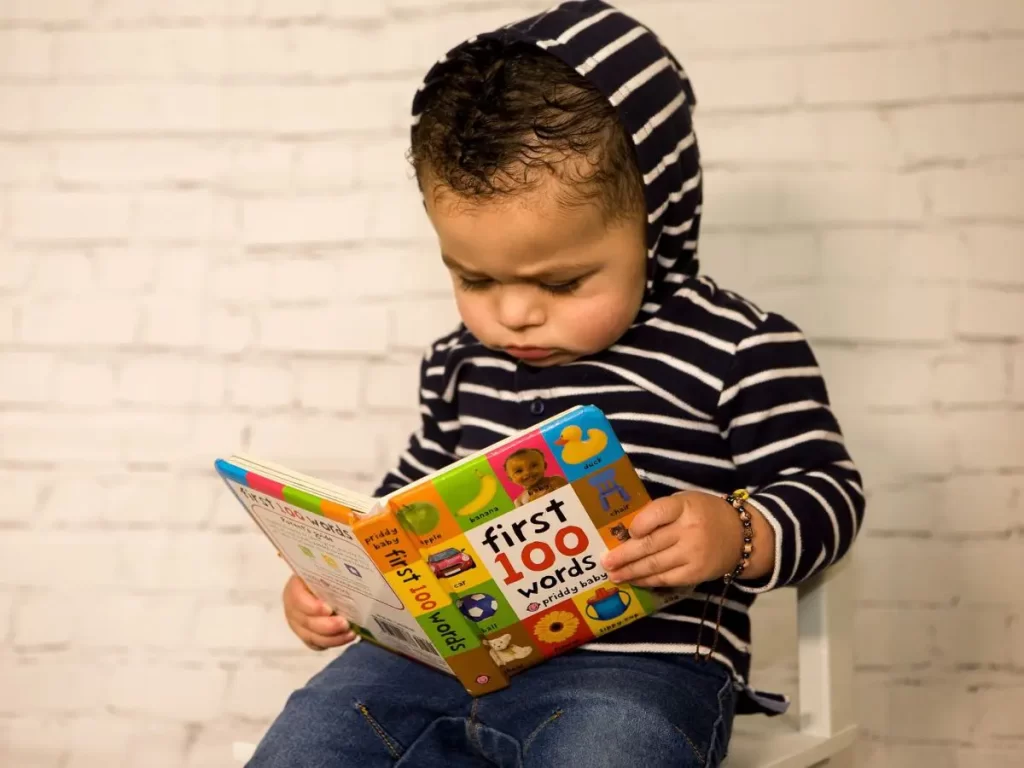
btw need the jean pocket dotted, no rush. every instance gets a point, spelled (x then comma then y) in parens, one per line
(394, 747)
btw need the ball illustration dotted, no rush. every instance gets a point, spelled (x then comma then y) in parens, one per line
(478, 607)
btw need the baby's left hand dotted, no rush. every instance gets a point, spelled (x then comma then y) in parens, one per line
(686, 539)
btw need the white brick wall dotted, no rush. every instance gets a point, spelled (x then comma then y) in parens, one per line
(209, 241)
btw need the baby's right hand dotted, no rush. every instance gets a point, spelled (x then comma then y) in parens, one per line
(311, 619)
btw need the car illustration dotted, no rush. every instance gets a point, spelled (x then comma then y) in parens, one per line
(449, 562)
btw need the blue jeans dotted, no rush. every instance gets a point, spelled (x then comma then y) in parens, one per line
(371, 708)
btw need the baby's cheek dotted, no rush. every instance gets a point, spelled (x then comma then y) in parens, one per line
(599, 323)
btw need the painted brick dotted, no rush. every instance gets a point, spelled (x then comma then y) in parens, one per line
(967, 634)
(1017, 375)
(311, 443)
(173, 323)
(989, 440)
(344, 218)
(99, 741)
(62, 273)
(84, 383)
(989, 571)
(25, 53)
(259, 692)
(975, 375)
(994, 255)
(222, 625)
(79, 321)
(70, 216)
(872, 77)
(882, 573)
(959, 509)
(866, 311)
(876, 253)
(990, 313)
(923, 708)
(55, 12)
(394, 273)
(262, 166)
(329, 385)
(335, 329)
(117, 620)
(159, 53)
(734, 83)
(120, 161)
(162, 380)
(393, 385)
(24, 489)
(261, 386)
(985, 193)
(874, 377)
(25, 162)
(415, 323)
(942, 132)
(983, 68)
(186, 694)
(26, 377)
(888, 637)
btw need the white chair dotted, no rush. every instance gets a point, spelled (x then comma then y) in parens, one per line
(826, 729)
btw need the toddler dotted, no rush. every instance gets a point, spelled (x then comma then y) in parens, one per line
(560, 171)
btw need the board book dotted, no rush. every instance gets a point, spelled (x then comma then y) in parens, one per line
(480, 570)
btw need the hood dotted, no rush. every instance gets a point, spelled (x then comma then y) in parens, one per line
(654, 101)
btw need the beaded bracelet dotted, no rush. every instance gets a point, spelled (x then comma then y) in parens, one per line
(738, 500)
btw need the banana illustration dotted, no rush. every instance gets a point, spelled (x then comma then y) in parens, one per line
(488, 487)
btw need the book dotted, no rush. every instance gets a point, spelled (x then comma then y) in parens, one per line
(480, 570)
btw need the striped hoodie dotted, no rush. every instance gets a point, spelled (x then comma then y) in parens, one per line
(706, 390)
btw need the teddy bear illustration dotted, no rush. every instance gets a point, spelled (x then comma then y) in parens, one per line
(501, 650)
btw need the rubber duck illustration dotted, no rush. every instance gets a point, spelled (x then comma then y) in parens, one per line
(577, 449)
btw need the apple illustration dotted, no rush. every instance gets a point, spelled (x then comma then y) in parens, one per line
(420, 517)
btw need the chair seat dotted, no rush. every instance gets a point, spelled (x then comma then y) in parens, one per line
(759, 742)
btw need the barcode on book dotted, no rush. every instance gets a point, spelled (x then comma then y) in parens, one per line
(403, 635)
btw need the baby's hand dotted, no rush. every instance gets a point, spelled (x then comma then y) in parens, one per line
(687, 539)
(311, 619)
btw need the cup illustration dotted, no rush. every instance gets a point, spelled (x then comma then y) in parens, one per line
(608, 603)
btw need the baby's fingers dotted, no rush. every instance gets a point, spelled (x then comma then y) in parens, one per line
(327, 626)
(321, 632)
(297, 597)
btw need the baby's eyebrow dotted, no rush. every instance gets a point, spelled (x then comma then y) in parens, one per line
(562, 271)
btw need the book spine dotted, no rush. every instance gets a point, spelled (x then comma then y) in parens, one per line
(398, 557)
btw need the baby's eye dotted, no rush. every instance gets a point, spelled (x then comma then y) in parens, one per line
(562, 288)
(474, 285)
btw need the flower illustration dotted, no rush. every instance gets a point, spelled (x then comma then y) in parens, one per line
(556, 627)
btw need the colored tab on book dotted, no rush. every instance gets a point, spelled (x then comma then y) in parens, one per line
(301, 499)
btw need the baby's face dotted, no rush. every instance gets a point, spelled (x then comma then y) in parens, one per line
(545, 283)
(527, 470)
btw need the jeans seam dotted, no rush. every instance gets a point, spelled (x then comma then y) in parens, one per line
(700, 758)
(714, 728)
(473, 728)
(392, 746)
(536, 731)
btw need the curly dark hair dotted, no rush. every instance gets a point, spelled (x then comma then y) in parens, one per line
(501, 111)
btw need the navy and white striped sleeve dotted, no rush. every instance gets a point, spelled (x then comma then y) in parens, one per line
(790, 453)
(432, 446)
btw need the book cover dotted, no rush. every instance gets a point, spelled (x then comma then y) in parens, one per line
(483, 569)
